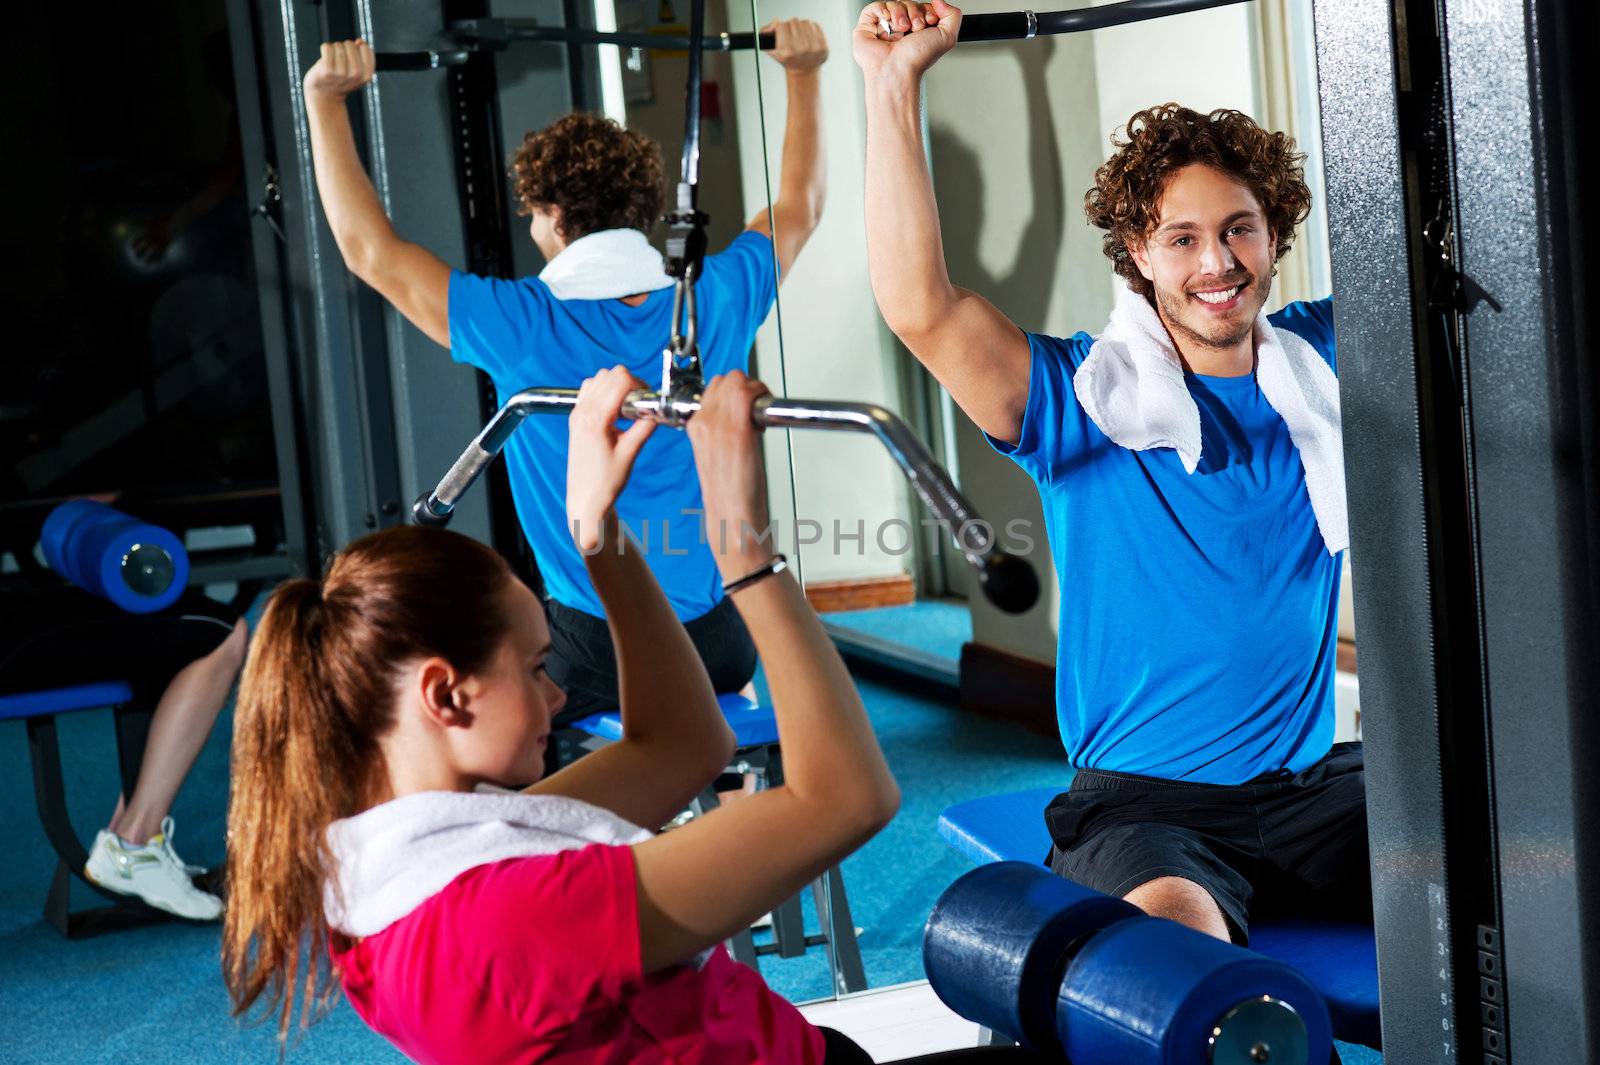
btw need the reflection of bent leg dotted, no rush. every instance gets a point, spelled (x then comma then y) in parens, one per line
(1183, 901)
(183, 720)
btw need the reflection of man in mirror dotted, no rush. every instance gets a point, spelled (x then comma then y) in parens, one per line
(593, 190)
(1190, 465)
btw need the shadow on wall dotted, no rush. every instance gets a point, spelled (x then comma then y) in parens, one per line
(1022, 291)
(1022, 284)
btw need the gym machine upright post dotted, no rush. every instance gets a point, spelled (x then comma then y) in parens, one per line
(1462, 229)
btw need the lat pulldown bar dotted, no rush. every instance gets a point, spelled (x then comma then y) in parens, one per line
(466, 36)
(1008, 581)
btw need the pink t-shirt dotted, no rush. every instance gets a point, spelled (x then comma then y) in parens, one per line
(537, 959)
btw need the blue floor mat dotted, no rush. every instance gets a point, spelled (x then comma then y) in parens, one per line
(935, 627)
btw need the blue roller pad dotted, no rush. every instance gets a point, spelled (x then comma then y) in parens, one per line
(999, 939)
(753, 725)
(86, 542)
(1149, 992)
(1340, 960)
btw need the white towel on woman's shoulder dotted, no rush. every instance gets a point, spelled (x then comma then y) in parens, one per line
(606, 265)
(1132, 386)
(394, 857)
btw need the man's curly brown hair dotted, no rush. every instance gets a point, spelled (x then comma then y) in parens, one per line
(1162, 140)
(599, 174)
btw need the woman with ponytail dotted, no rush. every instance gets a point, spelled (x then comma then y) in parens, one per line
(474, 925)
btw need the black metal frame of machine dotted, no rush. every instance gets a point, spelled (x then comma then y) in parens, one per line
(1467, 374)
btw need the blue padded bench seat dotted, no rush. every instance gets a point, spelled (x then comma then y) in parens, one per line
(753, 725)
(1340, 960)
(65, 700)
(37, 710)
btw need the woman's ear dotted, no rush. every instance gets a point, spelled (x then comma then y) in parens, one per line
(445, 697)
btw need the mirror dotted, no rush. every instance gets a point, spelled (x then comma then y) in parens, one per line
(139, 366)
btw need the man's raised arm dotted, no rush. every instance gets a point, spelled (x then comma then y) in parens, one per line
(976, 353)
(801, 48)
(409, 276)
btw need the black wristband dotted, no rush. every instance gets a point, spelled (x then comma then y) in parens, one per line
(777, 565)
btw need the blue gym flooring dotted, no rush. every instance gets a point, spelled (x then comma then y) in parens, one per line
(935, 627)
(155, 995)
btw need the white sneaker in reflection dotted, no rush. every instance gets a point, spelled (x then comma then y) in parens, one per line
(152, 872)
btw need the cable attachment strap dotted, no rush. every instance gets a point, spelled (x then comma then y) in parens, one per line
(686, 240)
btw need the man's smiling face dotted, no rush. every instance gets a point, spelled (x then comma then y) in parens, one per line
(1209, 258)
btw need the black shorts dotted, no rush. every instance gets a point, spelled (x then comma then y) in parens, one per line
(1280, 845)
(583, 663)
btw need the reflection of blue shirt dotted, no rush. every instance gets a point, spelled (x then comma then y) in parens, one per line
(1199, 612)
(523, 337)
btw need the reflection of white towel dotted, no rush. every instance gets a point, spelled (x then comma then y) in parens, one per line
(394, 857)
(606, 265)
(1132, 386)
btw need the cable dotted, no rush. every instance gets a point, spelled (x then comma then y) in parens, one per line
(799, 564)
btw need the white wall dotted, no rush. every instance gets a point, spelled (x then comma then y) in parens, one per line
(1014, 136)
(1204, 60)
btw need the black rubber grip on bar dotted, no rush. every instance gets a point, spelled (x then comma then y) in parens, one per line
(1128, 11)
(1013, 25)
(997, 26)
(387, 61)
(1008, 582)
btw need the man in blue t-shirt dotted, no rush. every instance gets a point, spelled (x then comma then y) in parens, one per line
(593, 191)
(1191, 470)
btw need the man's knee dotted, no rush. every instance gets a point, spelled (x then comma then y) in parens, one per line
(228, 657)
(1183, 901)
(237, 643)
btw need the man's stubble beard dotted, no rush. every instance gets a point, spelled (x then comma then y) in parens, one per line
(1174, 316)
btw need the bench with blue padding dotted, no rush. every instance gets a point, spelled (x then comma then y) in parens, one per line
(753, 725)
(1340, 960)
(38, 709)
(755, 738)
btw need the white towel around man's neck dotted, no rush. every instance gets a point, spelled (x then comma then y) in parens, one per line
(606, 265)
(394, 857)
(1132, 386)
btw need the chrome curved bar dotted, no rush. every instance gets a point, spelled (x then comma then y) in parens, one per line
(1007, 580)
